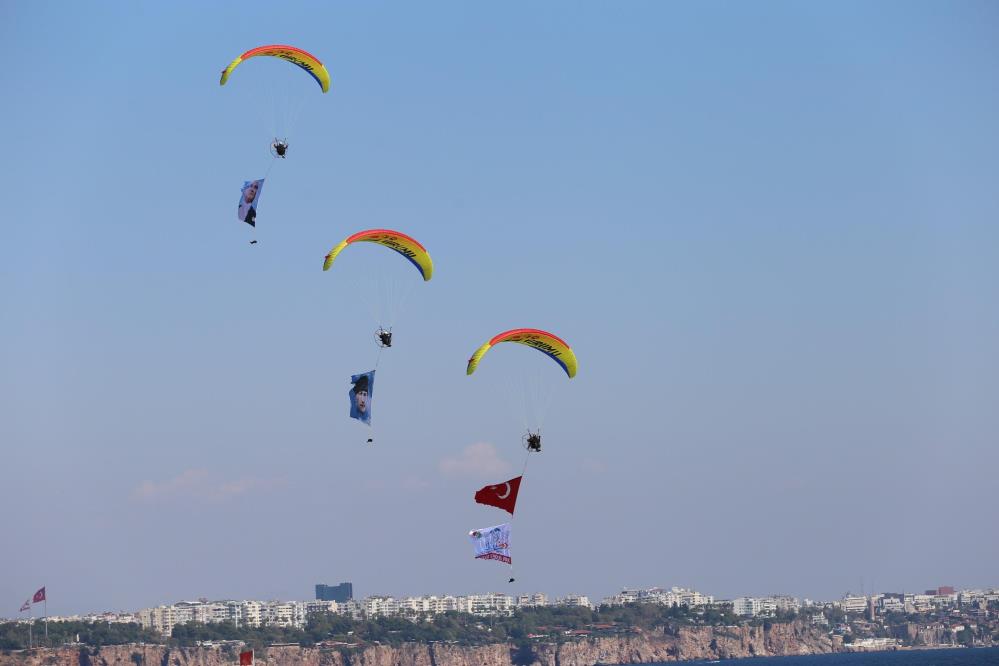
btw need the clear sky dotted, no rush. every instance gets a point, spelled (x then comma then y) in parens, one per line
(769, 230)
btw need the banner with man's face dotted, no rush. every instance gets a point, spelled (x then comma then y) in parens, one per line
(360, 396)
(249, 195)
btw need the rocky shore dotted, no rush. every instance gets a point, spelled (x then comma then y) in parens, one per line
(664, 644)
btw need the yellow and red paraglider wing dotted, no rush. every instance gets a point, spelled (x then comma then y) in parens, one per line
(333, 253)
(394, 240)
(553, 346)
(296, 56)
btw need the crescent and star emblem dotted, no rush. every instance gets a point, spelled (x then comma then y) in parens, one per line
(507, 484)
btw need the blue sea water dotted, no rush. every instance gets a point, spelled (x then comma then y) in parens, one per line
(955, 657)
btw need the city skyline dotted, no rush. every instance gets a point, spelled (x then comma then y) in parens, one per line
(640, 591)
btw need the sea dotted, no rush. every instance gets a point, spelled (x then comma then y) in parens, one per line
(950, 657)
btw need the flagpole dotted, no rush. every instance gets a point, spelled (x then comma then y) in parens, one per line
(46, 619)
(31, 621)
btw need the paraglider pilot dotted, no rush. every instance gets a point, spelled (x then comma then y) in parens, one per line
(279, 147)
(533, 441)
(384, 337)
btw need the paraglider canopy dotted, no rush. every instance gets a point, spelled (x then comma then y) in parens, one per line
(394, 240)
(551, 345)
(292, 54)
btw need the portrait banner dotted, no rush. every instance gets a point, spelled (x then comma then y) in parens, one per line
(360, 396)
(249, 195)
(492, 543)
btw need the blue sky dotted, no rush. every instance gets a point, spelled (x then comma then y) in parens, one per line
(768, 230)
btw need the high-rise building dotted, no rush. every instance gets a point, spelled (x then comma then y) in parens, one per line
(340, 593)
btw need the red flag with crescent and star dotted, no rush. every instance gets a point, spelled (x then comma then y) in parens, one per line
(501, 495)
(39, 596)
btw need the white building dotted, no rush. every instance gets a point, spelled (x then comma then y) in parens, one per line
(490, 604)
(692, 598)
(380, 606)
(627, 596)
(747, 606)
(284, 613)
(350, 608)
(674, 596)
(944, 600)
(447, 604)
(161, 619)
(891, 605)
(659, 596)
(574, 600)
(783, 602)
(852, 604)
(411, 606)
(531, 600)
(765, 606)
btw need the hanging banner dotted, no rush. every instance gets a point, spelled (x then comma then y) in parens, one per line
(492, 543)
(360, 396)
(248, 197)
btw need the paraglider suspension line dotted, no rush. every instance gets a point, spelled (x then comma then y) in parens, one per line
(371, 440)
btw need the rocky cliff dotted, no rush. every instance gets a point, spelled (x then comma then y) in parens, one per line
(664, 644)
(690, 643)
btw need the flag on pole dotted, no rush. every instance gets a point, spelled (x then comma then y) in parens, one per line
(501, 495)
(26, 605)
(39, 596)
(246, 658)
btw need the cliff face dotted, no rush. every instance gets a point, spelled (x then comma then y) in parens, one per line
(735, 642)
(426, 655)
(690, 643)
(158, 655)
(645, 647)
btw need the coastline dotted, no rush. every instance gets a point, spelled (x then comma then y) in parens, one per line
(662, 645)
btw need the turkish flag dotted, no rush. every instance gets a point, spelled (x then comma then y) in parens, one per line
(39, 596)
(246, 658)
(501, 495)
